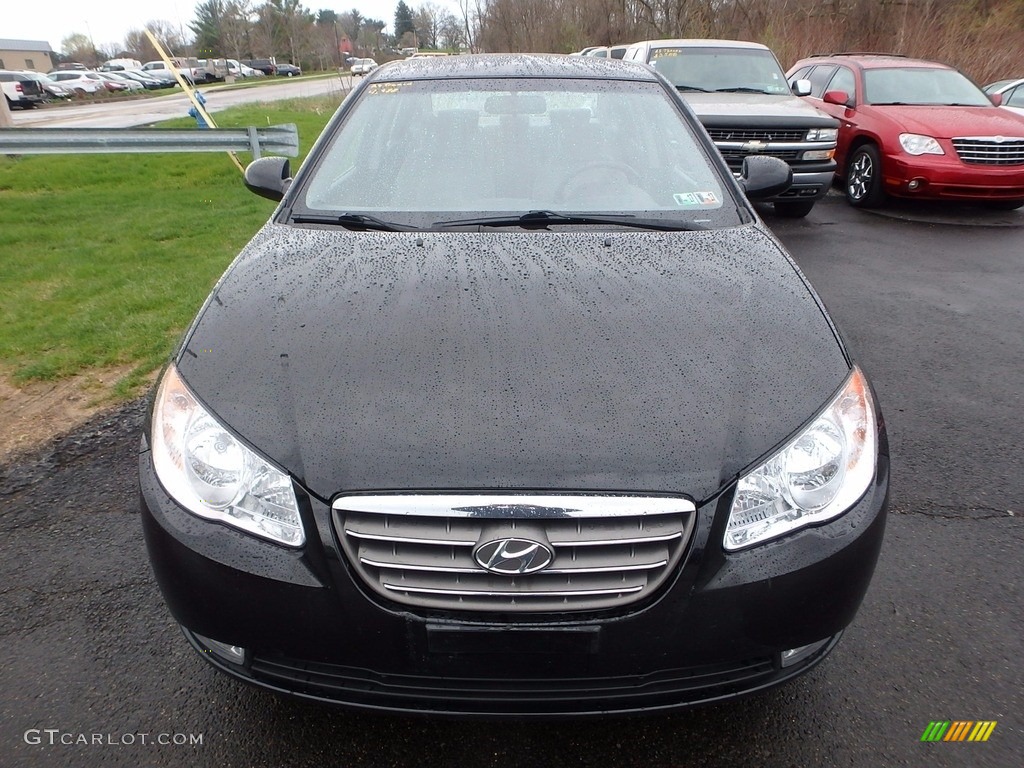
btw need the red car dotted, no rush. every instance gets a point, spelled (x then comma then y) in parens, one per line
(914, 128)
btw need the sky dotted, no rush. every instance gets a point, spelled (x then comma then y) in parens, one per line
(109, 21)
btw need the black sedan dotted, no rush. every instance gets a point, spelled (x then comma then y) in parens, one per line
(288, 70)
(514, 407)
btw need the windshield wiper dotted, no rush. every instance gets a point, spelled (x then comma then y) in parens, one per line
(360, 222)
(741, 89)
(541, 219)
(688, 87)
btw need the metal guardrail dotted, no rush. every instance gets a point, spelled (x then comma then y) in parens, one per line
(277, 139)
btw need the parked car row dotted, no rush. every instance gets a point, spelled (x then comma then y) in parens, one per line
(82, 82)
(884, 125)
(24, 89)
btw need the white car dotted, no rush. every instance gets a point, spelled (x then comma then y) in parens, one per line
(78, 81)
(1012, 93)
(238, 69)
(363, 66)
(189, 69)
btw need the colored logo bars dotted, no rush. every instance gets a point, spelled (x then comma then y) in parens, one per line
(958, 730)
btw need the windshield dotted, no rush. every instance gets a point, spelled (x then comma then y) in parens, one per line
(516, 146)
(721, 69)
(922, 86)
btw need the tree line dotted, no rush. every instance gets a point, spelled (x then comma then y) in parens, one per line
(985, 38)
(286, 29)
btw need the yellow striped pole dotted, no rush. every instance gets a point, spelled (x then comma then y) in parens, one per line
(188, 91)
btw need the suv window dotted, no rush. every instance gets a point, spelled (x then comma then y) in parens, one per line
(843, 80)
(819, 77)
(800, 74)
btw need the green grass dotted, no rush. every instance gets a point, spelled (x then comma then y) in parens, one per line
(105, 259)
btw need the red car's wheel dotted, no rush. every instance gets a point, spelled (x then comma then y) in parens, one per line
(864, 178)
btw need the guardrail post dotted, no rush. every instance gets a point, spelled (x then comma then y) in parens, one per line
(254, 142)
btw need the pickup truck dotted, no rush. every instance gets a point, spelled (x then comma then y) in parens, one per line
(740, 94)
(189, 68)
(21, 90)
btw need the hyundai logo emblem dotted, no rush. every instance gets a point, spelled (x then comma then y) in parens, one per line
(513, 557)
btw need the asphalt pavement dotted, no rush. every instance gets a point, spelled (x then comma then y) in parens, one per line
(94, 671)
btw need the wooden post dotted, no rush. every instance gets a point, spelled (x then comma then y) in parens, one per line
(6, 121)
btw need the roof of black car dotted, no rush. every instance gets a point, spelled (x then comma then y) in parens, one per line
(512, 65)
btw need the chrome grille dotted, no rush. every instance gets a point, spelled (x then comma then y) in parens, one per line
(756, 134)
(734, 157)
(990, 150)
(607, 551)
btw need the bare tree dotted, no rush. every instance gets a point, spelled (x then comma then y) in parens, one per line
(427, 19)
(236, 28)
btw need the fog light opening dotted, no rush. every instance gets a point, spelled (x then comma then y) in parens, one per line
(232, 654)
(798, 654)
(915, 184)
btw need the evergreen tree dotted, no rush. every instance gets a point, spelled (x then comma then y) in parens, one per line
(403, 20)
(208, 28)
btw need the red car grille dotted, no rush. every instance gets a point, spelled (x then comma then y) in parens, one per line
(990, 151)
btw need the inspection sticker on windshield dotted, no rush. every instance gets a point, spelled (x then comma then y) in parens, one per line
(378, 88)
(696, 199)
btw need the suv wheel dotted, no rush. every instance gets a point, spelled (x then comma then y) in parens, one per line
(864, 178)
(796, 209)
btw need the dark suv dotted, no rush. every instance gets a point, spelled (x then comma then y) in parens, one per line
(266, 66)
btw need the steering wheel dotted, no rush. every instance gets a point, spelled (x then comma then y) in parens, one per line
(578, 175)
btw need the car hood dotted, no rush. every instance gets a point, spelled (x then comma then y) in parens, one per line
(948, 122)
(715, 109)
(578, 360)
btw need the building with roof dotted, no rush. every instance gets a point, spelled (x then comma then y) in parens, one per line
(26, 54)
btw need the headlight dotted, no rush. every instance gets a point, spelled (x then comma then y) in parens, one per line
(914, 144)
(823, 134)
(213, 475)
(815, 477)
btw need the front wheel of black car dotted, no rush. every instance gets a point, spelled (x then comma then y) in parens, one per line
(864, 178)
(796, 209)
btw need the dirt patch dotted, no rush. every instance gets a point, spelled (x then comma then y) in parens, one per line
(32, 414)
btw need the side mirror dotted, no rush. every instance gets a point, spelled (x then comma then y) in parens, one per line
(269, 177)
(763, 177)
(997, 99)
(802, 87)
(836, 97)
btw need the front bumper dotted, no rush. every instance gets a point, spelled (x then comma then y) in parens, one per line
(308, 627)
(936, 177)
